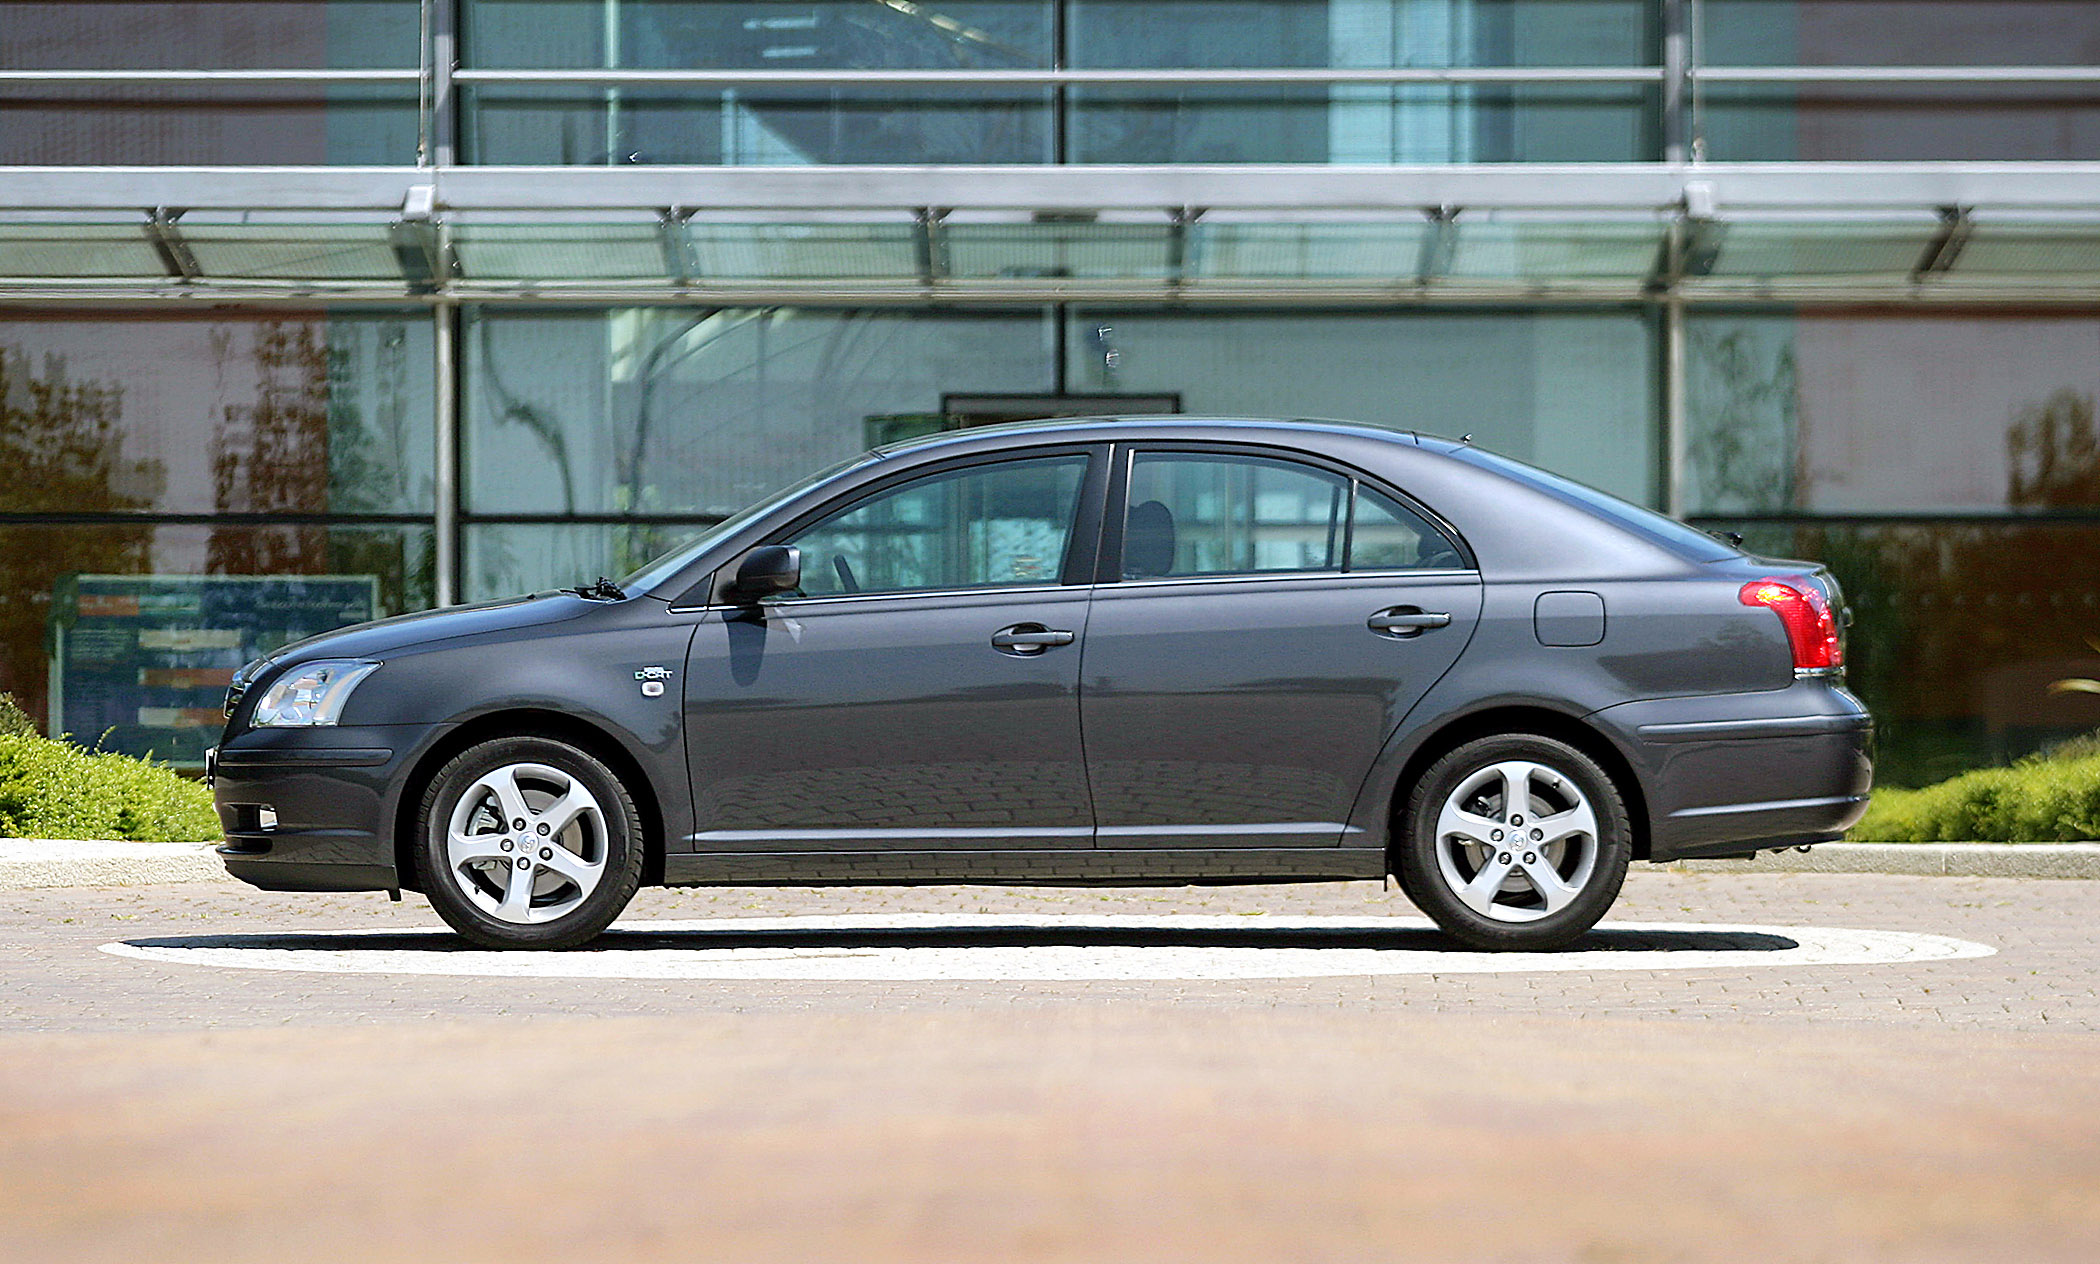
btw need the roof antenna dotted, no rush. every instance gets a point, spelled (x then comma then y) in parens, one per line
(1466, 438)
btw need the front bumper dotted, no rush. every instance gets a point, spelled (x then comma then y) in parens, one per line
(314, 809)
(1731, 775)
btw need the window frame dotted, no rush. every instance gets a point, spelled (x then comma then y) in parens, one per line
(1110, 569)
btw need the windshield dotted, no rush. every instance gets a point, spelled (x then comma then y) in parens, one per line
(669, 564)
(1686, 540)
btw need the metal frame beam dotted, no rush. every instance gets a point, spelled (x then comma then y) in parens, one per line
(167, 242)
(1864, 189)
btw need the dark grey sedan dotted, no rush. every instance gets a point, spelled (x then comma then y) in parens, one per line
(1151, 652)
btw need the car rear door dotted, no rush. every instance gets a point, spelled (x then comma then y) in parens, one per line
(1264, 623)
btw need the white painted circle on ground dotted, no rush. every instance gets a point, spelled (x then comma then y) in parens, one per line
(1001, 947)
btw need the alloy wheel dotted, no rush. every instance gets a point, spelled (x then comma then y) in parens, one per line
(526, 843)
(1516, 841)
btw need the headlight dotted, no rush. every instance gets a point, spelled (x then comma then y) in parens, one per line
(313, 693)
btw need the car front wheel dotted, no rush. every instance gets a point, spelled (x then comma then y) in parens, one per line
(1515, 843)
(528, 842)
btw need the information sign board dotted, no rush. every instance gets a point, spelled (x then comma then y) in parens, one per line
(140, 663)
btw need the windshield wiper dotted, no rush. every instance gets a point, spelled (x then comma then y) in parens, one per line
(603, 590)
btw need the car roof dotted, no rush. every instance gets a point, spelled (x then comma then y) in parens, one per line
(1158, 425)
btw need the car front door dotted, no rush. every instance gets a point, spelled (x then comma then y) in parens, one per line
(920, 690)
(1269, 623)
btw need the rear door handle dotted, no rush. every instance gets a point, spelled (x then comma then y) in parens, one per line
(1405, 621)
(1029, 638)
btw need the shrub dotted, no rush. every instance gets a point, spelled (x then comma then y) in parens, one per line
(53, 789)
(13, 719)
(2052, 799)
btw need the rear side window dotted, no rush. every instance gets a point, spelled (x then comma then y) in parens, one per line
(1388, 536)
(1191, 515)
(983, 526)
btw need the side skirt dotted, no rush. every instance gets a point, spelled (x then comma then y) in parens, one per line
(1087, 868)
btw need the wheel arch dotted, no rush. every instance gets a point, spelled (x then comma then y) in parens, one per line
(530, 722)
(1519, 719)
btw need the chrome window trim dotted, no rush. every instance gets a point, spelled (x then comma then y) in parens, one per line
(1260, 577)
(789, 603)
(1169, 582)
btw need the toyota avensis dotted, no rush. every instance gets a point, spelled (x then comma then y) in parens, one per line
(1132, 652)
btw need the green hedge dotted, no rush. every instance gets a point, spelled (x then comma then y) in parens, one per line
(51, 789)
(2052, 800)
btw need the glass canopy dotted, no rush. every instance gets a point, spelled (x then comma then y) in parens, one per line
(1457, 254)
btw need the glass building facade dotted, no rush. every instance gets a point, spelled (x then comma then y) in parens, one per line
(330, 309)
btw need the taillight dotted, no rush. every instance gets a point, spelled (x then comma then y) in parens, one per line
(1811, 625)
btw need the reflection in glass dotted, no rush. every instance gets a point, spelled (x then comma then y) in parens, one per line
(1862, 122)
(510, 559)
(769, 125)
(138, 628)
(222, 124)
(1901, 122)
(285, 412)
(676, 411)
(1852, 413)
(1570, 390)
(1958, 629)
(1348, 123)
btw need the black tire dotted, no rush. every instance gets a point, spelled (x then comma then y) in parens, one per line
(1493, 892)
(576, 878)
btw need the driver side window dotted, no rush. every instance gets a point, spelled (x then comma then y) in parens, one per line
(982, 526)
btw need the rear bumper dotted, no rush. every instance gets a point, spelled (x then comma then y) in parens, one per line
(1736, 774)
(313, 809)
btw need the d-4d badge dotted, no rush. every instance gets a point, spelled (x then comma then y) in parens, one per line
(653, 679)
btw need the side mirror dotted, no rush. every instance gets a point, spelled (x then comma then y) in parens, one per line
(766, 571)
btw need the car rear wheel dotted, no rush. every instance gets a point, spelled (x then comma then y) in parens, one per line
(1515, 843)
(528, 842)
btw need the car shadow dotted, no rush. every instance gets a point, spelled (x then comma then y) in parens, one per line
(1078, 934)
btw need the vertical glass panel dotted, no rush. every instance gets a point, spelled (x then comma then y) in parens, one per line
(284, 412)
(203, 125)
(759, 124)
(126, 636)
(1896, 122)
(302, 124)
(667, 410)
(756, 126)
(1573, 391)
(1003, 524)
(1355, 123)
(1899, 33)
(1192, 515)
(1806, 412)
(1958, 629)
(506, 559)
(1901, 123)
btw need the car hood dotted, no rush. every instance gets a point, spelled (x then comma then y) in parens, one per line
(386, 637)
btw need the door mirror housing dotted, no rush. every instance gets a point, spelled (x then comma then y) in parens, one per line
(766, 571)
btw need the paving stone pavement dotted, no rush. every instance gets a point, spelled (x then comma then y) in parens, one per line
(2045, 976)
(1918, 1111)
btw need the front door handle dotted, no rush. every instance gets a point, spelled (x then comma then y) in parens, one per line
(1406, 621)
(1029, 638)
